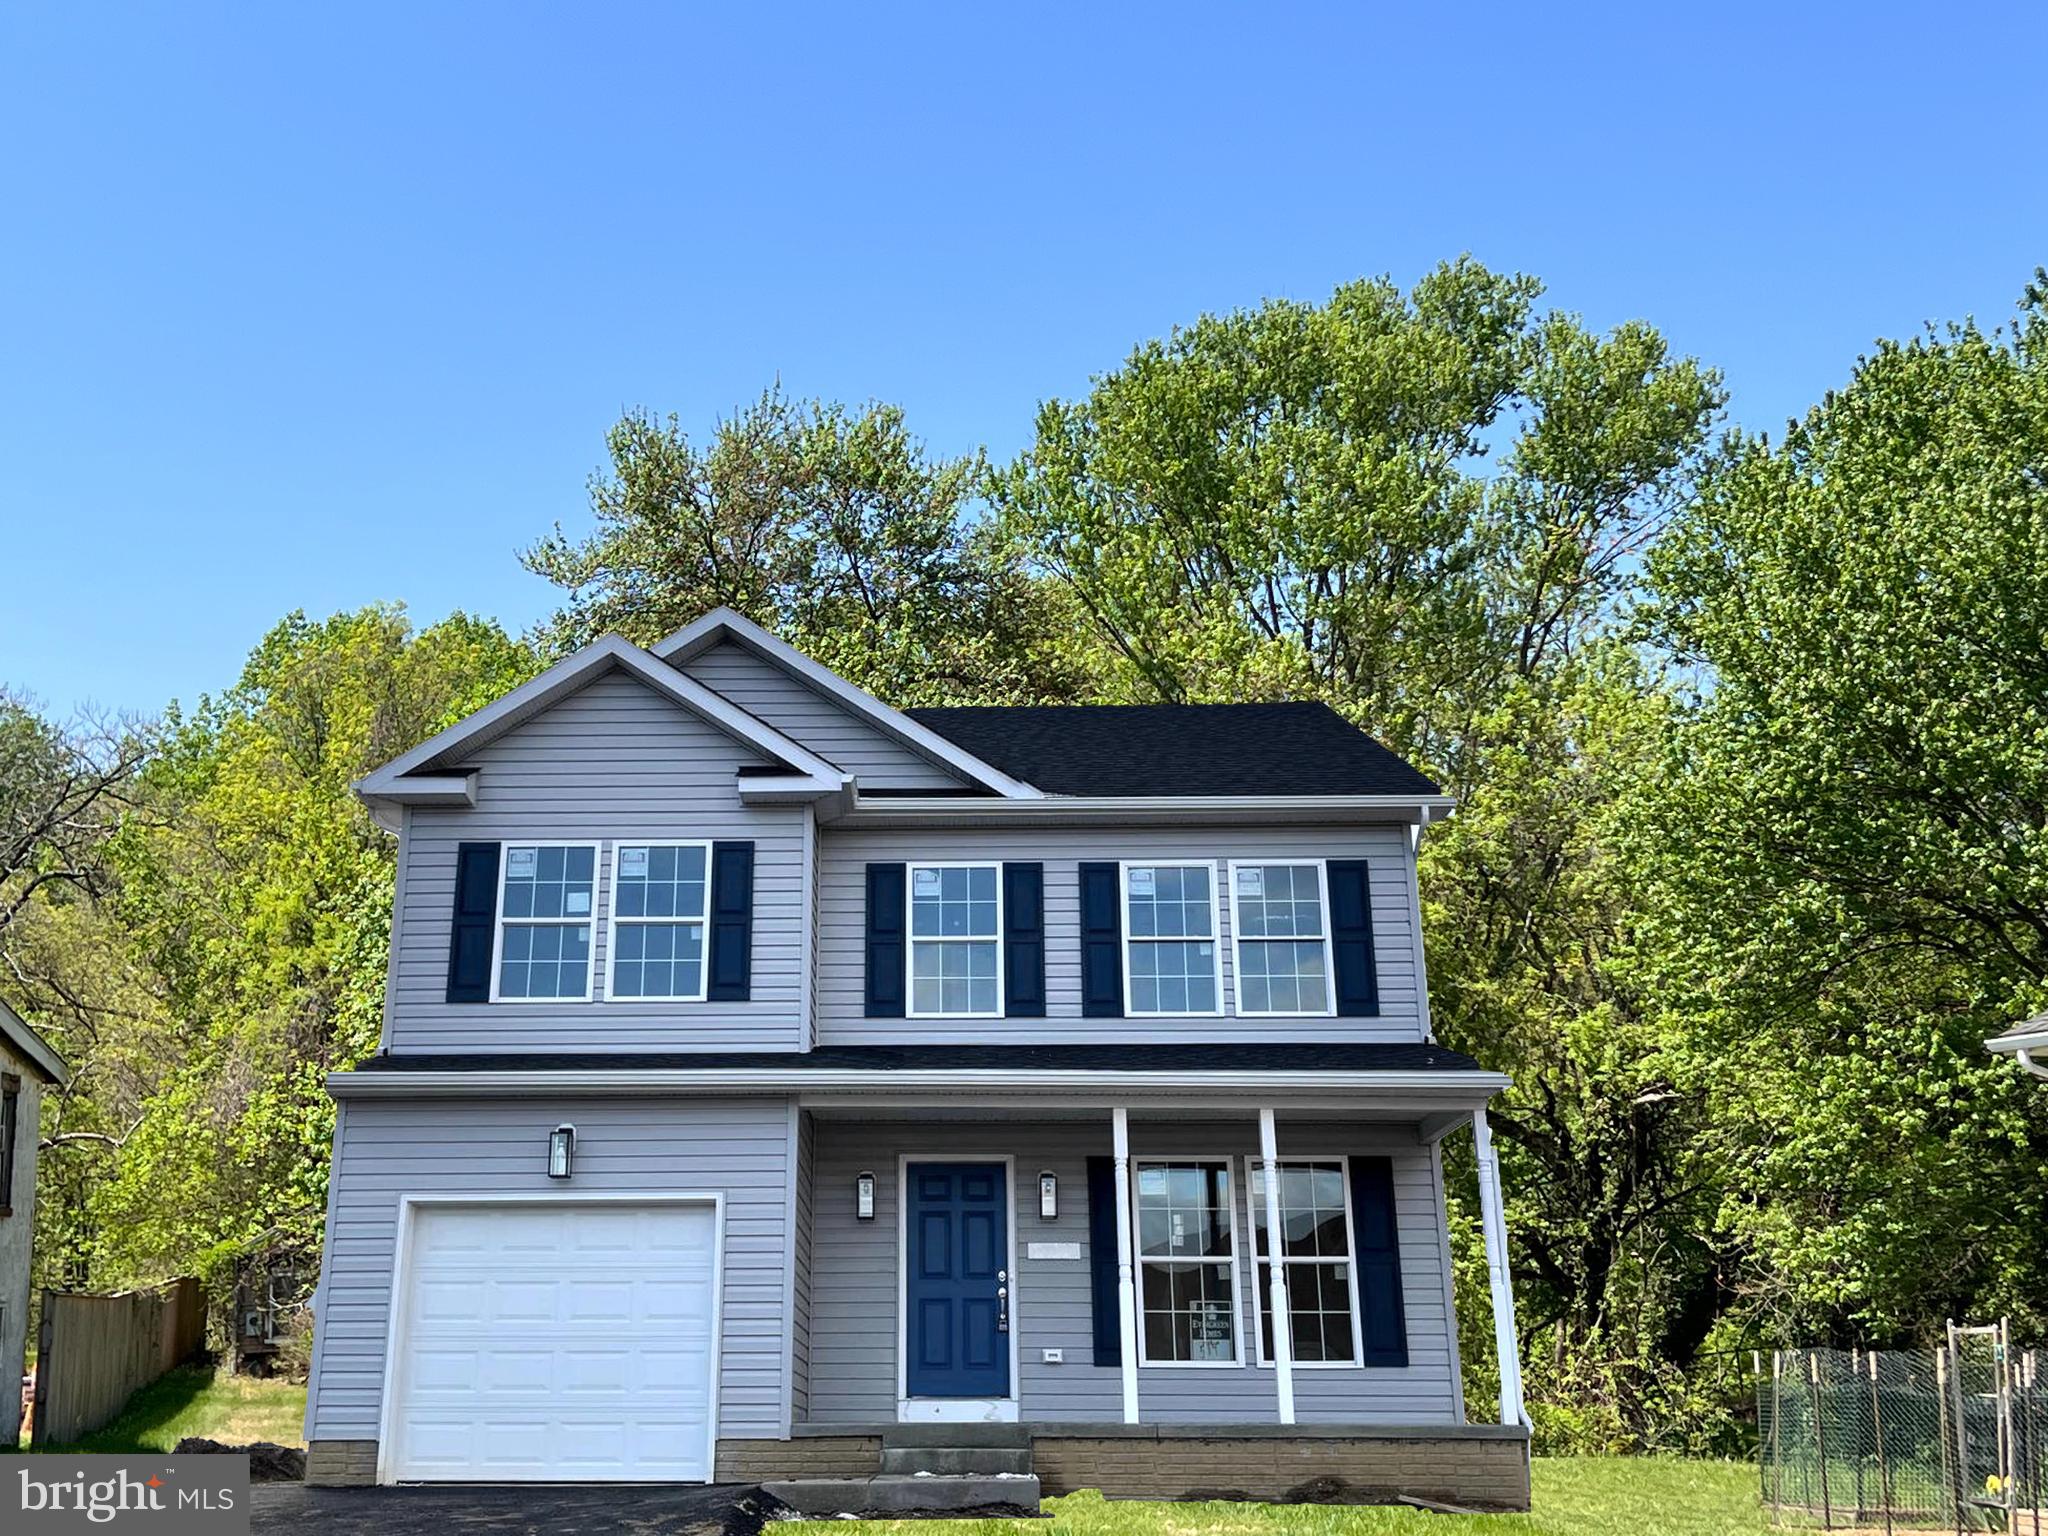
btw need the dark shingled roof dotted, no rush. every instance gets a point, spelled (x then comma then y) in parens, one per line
(1178, 749)
(1192, 1057)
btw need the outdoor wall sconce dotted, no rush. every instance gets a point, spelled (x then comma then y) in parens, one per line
(1048, 1196)
(864, 1197)
(561, 1151)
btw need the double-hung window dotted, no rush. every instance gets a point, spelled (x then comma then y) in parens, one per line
(1187, 1263)
(1316, 1249)
(956, 925)
(546, 908)
(1280, 934)
(1172, 965)
(658, 906)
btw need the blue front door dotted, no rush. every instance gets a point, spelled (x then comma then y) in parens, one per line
(957, 1251)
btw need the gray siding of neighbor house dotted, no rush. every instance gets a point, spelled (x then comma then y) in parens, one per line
(612, 763)
(384, 1150)
(800, 1306)
(16, 1234)
(768, 693)
(854, 1297)
(842, 959)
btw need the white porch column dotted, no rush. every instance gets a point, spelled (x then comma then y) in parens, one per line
(1126, 1281)
(1493, 1227)
(1283, 1317)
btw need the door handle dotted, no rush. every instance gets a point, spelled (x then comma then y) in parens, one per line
(1002, 1301)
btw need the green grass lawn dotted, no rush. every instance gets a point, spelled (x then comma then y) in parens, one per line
(194, 1401)
(1591, 1496)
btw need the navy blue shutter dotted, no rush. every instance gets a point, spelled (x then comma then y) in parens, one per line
(1102, 971)
(1378, 1243)
(1358, 987)
(885, 941)
(476, 914)
(1024, 941)
(732, 923)
(1102, 1260)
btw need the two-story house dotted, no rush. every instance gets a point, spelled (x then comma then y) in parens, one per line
(776, 1085)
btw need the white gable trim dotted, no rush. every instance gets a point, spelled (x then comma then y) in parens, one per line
(401, 779)
(32, 1047)
(724, 624)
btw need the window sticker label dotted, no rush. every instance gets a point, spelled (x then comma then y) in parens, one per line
(927, 882)
(1141, 882)
(576, 903)
(1205, 950)
(519, 865)
(633, 863)
(1252, 881)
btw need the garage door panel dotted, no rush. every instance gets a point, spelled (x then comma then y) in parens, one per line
(557, 1343)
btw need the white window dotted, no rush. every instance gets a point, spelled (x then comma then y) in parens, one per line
(660, 894)
(546, 895)
(1187, 1263)
(1280, 937)
(956, 946)
(1316, 1248)
(1171, 961)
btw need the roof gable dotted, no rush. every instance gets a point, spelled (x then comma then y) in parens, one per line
(32, 1047)
(724, 626)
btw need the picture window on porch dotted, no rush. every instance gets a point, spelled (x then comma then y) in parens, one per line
(546, 907)
(1280, 926)
(659, 895)
(1173, 966)
(1187, 1262)
(956, 924)
(1316, 1247)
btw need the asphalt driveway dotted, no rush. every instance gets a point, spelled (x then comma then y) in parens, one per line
(528, 1509)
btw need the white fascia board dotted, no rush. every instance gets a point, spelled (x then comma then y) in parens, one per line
(567, 676)
(1136, 810)
(2008, 1044)
(32, 1047)
(724, 624)
(1427, 1088)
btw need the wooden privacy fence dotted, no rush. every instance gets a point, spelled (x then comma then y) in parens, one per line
(94, 1352)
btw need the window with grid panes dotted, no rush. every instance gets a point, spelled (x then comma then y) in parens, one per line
(1315, 1247)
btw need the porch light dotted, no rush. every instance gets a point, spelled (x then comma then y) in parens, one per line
(864, 1196)
(561, 1151)
(1048, 1196)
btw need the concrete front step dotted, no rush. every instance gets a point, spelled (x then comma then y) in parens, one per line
(894, 1494)
(956, 1460)
(954, 1436)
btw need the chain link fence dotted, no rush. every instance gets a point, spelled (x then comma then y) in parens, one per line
(1943, 1439)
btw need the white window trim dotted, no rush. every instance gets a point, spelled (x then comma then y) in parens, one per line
(911, 939)
(613, 922)
(1252, 1210)
(1140, 1259)
(499, 919)
(1123, 920)
(1329, 1008)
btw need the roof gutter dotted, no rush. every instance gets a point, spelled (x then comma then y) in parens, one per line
(494, 1083)
(879, 811)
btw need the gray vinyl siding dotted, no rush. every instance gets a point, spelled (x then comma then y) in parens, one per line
(383, 1150)
(614, 762)
(803, 714)
(842, 959)
(854, 1298)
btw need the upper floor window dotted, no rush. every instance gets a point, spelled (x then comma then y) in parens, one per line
(545, 914)
(10, 1127)
(956, 925)
(659, 896)
(1280, 932)
(1172, 965)
(1187, 1263)
(1316, 1248)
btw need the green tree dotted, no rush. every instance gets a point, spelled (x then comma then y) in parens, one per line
(834, 527)
(1848, 865)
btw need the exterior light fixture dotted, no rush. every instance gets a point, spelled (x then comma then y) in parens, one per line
(864, 1196)
(1048, 1196)
(561, 1151)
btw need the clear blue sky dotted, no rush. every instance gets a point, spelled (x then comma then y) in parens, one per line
(315, 305)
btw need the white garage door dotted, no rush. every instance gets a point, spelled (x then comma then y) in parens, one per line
(558, 1343)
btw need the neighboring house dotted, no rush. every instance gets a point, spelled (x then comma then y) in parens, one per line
(771, 1079)
(2022, 1041)
(26, 1064)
